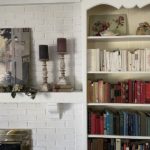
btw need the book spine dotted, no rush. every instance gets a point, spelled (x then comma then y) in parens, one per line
(118, 144)
(93, 123)
(142, 92)
(101, 124)
(130, 91)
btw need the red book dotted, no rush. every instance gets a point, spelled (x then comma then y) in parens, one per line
(101, 124)
(93, 123)
(97, 124)
(123, 92)
(138, 91)
(119, 93)
(107, 93)
(135, 92)
(89, 144)
(130, 92)
(142, 92)
(147, 92)
(124, 146)
(115, 93)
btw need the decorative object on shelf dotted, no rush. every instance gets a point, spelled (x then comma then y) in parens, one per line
(108, 25)
(143, 29)
(15, 46)
(22, 88)
(108, 33)
(44, 57)
(63, 84)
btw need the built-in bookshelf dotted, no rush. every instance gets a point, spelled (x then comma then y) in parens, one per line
(132, 66)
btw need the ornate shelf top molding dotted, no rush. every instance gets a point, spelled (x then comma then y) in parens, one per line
(28, 2)
(87, 4)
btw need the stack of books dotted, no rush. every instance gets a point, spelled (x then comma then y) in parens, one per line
(129, 91)
(62, 88)
(118, 60)
(119, 123)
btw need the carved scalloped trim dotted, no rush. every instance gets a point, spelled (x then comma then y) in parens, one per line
(88, 4)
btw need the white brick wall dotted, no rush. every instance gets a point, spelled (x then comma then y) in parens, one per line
(48, 22)
(48, 133)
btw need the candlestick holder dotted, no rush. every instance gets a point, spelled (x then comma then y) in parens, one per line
(45, 86)
(44, 57)
(63, 84)
(62, 78)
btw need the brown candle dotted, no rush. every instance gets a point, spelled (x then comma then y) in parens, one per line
(61, 45)
(43, 52)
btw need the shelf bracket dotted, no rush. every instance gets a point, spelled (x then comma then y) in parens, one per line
(53, 111)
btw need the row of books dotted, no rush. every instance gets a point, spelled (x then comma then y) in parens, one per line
(118, 60)
(119, 123)
(122, 92)
(118, 144)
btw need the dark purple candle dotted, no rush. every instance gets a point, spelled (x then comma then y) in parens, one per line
(43, 52)
(61, 45)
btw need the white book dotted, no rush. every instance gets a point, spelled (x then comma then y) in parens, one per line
(133, 61)
(105, 61)
(101, 60)
(111, 61)
(118, 144)
(147, 59)
(126, 60)
(142, 66)
(119, 60)
(97, 59)
(123, 60)
(116, 61)
(91, 60)
(127, 148)
(137, 60)
(129, 61)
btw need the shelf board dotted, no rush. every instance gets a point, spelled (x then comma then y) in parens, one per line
(118, 104)
(120, 38)
(142, 107)
(44, 97)
(114, 72)
(118, 137)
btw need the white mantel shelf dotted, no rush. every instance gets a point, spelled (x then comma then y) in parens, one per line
(30, 2)
(45, 97)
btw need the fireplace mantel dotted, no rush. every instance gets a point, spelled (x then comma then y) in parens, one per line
(44, 97)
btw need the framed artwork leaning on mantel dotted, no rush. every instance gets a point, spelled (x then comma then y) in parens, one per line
(15, 45)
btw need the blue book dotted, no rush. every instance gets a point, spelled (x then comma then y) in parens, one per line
(109, 122)
(121, 123)
(125, 123)
(134, 125)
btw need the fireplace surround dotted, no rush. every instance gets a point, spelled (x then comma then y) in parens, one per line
(14, 139)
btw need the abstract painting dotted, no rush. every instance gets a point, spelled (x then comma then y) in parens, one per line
(15, 45)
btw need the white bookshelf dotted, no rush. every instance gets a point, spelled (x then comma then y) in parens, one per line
(124, 42)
